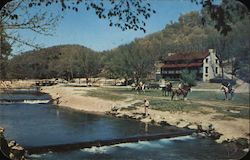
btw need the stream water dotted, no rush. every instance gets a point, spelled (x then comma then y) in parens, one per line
(32, 122)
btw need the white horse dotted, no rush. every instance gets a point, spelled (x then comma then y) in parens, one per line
(139, 87)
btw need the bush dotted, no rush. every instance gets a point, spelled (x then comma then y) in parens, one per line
(188, 77)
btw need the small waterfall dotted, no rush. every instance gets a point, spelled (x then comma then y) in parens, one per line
(36, 101)
(140, 145)
(31, 101)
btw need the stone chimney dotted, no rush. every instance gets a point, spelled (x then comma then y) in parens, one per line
(212, 52)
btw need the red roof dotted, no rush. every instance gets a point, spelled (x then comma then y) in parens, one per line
(182, 65)
(187, 56)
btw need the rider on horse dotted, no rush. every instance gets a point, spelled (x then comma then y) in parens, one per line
(227, 88)
(180, 86)
(228, 85)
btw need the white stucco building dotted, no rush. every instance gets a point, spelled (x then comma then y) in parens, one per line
(206, 65)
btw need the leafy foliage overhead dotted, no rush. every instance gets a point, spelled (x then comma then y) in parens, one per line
(124, 14)
(131, 14)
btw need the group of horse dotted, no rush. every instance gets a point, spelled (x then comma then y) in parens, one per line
(140, 88)
(168, 90)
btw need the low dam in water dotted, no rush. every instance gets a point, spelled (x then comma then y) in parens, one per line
(44, 128)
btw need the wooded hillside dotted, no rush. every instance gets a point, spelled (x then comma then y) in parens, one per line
(137, 59)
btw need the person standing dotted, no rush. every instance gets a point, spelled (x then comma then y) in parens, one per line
(57, 99)
(146, 106)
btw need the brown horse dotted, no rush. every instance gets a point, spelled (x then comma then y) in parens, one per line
(181, 91)
(227, 91)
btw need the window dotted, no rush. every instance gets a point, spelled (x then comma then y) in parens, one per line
(178, 71)
(206, 70)
(216, 70)
(171, 72)
(206, 60)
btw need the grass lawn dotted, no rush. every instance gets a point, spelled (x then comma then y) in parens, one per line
(206, 85)
(238, 99)
(212, 100)
(106, 95)
(173, 106)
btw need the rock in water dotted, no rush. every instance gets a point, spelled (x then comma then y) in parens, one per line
(242, 142)
(12, 143)
(17, 151)
(215, 135)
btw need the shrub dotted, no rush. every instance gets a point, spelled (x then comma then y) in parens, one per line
(188, 77)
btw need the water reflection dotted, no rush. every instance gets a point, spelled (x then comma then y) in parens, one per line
(146, 127)
(57, 113)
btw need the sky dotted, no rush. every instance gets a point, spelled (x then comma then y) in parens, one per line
(85, 28)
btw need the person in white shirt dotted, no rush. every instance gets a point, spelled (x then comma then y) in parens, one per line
(146, 106)
(57, 99)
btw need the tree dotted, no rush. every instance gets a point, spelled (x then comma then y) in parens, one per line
(188, 77)
(124, 14)
(221, 14)
(89, 64)
(117, 64)
(134, 61)
(141, 59)
(17, 15)
(131, 14)
(5, 50)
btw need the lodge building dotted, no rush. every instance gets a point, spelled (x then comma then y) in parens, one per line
(205, 65)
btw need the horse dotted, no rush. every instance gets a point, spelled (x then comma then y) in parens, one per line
(139, 87)
(181, 91)
(227, 91)
(133, 87)
(166, 88)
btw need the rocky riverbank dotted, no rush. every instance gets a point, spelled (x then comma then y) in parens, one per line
(200, 130)
(10, 150)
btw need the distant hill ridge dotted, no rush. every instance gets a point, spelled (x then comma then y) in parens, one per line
(56, 49)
